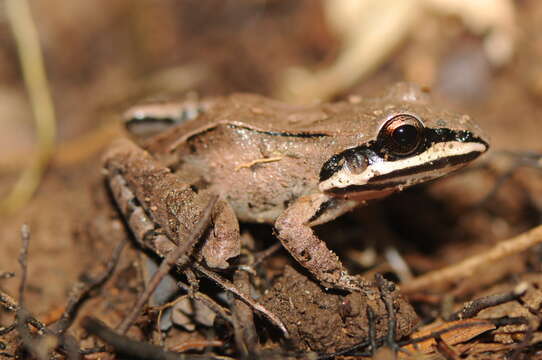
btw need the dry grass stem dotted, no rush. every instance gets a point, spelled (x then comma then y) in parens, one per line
(35, 78)
(470, 266)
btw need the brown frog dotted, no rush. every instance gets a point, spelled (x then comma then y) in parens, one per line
(287, 165)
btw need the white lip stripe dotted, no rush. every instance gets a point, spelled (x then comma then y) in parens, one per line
(344, 178)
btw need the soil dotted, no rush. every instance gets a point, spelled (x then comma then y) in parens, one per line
(326, 322)
(102, 57)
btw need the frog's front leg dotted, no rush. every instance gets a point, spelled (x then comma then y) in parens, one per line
(161, 207)
(293, 228)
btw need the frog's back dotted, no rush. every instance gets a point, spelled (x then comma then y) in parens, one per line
(260, 174)
(265, 115)
(259, 166)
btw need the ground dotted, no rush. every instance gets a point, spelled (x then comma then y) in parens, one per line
(105, 56)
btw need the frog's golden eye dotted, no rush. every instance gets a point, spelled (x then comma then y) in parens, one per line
(401, 135)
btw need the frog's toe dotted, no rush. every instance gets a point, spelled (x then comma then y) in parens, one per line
(351, 283)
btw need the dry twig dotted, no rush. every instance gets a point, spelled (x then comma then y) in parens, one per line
(246, 338)
(136, 349)
(81, 290)
(169, 261)
(33, 69)
(39, 347)
(210, 303)
(23, 256)
(471, 308)
(385, 288)
(470, 266)
(264, 254)
(228, 286)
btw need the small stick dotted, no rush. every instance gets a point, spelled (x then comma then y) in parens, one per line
(349, 350)
(228, 286)
(246, 338)
(372, 329)
(169, 261)
(23, 255)
(385, 294)
(471, 308)
(210, 303)
(37, 347)
(262, 255)
(469, 266)
(136, 349)
(195, 345)
(438, 333)
(81, 290)
(504, 321)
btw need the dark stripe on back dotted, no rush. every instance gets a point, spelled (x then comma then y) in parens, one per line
(280, 133)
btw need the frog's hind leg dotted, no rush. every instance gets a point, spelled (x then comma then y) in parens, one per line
(161, 209)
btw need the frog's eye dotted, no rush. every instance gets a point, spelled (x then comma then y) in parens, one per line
(401, 135)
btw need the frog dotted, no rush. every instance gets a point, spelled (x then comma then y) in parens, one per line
(288, 165)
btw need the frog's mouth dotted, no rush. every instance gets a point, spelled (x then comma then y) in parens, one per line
(383, 174)
(404, 177)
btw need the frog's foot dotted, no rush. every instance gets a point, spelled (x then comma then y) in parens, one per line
(350, 282)
(293, 228)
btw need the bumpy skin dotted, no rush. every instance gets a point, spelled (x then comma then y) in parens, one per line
(264, 159)
(161, 208)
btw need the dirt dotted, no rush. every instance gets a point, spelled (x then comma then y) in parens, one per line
(327, 322)
(106, 56)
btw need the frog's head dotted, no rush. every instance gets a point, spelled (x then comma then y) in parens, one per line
(411, 143)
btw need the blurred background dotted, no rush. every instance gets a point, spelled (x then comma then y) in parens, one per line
(479, 57)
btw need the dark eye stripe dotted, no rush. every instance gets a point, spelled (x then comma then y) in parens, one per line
(433, 165)
(374, 149)
(380, 183)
